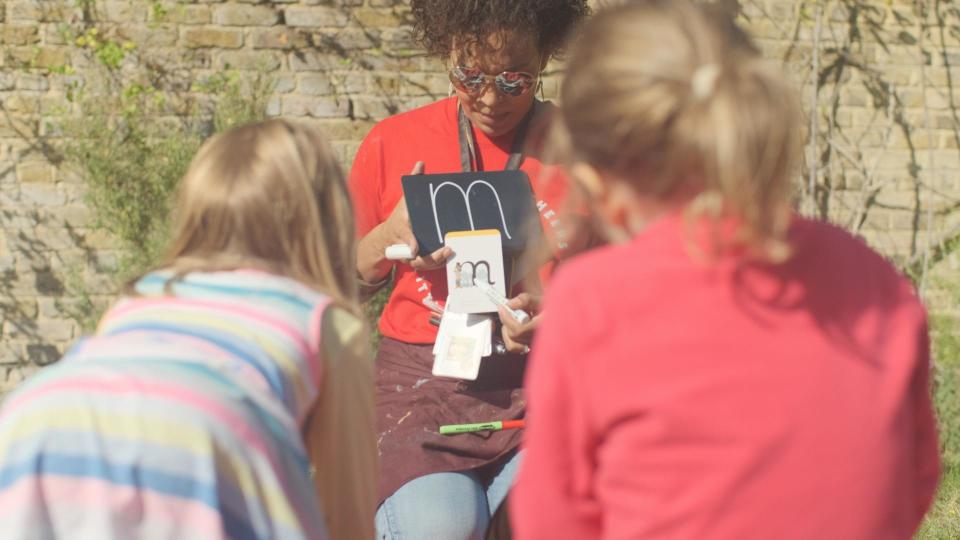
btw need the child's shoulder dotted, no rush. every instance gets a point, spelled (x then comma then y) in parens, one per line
(839, 261)
(838, 242)
(243, 284)
(626, 266)
(593, 266)
(592, 283)
(826, 244)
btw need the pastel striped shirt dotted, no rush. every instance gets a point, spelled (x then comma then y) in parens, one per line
(179, 418)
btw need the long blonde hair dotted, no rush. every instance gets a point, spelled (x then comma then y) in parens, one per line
(673, 96)
(268, 195)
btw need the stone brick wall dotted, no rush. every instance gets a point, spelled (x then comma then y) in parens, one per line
(879, 76)
(881, 81)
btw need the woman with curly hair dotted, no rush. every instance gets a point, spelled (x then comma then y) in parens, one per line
(496, 50)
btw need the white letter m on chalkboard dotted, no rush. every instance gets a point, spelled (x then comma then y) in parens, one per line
(466, 203)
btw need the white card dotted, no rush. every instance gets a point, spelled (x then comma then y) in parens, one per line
(461, 342)
(477, 255)
(449, 323)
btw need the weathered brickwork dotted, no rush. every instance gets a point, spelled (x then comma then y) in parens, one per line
(883, 93)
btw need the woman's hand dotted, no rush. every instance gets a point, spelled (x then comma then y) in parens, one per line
(372, 263)
(517, 336)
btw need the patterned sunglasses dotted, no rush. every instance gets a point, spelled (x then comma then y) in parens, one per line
(473, 81)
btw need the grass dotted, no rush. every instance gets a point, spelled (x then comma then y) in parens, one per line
(372, 309)
(943, 520)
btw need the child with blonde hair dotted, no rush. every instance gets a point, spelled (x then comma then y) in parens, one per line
(210, 391)
(729, 370)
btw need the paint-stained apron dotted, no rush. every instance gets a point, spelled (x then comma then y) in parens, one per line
(412, 404)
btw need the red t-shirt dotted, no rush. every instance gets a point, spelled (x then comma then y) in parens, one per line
(669, 399)
(390, 151)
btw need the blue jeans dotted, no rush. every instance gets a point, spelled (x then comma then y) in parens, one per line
(444, 506)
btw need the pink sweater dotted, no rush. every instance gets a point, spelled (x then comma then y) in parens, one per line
(674, 400)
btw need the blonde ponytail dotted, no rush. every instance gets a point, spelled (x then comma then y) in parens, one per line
(676, 98)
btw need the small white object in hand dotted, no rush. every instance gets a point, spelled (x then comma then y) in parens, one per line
(398, 252)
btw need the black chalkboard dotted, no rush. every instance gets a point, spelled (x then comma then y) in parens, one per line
(442, 203)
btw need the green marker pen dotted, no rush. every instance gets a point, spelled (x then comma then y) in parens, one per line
(498, 425)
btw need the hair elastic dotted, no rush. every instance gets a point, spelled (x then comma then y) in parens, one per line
(703, 80)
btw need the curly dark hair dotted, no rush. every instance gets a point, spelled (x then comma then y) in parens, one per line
(437, 22)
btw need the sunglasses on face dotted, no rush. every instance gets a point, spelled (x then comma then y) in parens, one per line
(473, 81)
